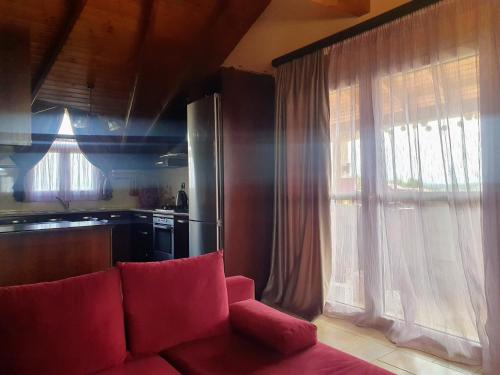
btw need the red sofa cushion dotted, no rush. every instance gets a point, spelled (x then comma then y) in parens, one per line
(170, 302)
(234, 354)
(71, 326)
(150, 365)
(239, 288)
(271, 327)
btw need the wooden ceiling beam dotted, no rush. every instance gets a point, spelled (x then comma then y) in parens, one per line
(204, 59)
(352, 7)
(145, 30)
(198, 51)
(50, 57)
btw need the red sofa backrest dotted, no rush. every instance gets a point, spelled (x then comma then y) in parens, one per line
(171, 302)
(71, 326)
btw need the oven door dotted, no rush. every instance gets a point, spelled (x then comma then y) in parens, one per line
(163, 236)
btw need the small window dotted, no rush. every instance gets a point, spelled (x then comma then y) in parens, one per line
(64, 171)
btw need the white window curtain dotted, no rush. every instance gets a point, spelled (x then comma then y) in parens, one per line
(64, 172)
(406, 119)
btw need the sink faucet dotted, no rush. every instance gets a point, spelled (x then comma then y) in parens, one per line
(64, 203)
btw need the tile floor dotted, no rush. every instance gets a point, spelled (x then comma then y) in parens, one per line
(372, 346)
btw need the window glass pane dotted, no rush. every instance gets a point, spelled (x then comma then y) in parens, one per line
(66, 128)
(64, 172)
(344, 125)
(429, 196)
(425, 210)
(431, 138)
(347, 277)
(46, 174)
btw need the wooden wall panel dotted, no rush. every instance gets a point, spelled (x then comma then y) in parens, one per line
(15, 78)
(248, 132)
(31, 257)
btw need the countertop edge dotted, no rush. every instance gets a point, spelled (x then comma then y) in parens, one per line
(44, 227)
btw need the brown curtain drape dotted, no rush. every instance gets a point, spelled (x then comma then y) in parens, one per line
(300, 266)
(92, 134)
(45, 126)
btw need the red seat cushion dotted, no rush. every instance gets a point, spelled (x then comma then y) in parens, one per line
(271, 327)
(71, 326)
(151, 365)
(234, 354)
(170, 302)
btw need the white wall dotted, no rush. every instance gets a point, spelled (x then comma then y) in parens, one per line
(286, 25)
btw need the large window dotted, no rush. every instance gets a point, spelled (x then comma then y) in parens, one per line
(405, 208)
(64, 171)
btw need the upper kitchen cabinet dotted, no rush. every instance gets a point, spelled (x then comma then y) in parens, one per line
(15, 97)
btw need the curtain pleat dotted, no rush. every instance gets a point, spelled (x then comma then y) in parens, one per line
(45, 126)
(301, 248)
(89, 129)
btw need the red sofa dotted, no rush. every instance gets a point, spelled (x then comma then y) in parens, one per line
(173, 317)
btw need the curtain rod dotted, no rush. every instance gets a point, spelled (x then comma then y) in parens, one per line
(360, 28)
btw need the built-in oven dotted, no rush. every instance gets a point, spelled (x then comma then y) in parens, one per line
(163, 237)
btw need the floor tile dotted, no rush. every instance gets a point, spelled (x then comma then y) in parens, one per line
(390, 368)
(416, 364)
(350, 327)
(337, 338)
(369, 350)
(460, 367)
(371, 345)
(359, 346)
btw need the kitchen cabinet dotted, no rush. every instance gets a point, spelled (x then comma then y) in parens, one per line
(15, 84)
(142, 237)
(132, 232)
(121, 237)
(121, 242)
(181, 237)
(53, 254)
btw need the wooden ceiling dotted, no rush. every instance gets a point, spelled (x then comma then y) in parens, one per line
(126, 58)
(353, 7)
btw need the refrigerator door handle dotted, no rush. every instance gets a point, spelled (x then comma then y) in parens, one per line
(219, 168)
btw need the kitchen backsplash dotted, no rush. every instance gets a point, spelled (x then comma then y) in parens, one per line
(168, 182)
(174, 177)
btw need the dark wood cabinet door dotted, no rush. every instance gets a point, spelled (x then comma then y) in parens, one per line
(31, 257)
(181, 238)
(142, 242)
(122, 243)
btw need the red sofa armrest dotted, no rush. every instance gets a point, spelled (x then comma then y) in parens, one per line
(239, 288)
(271, 327)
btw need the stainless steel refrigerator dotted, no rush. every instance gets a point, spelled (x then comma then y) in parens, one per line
(206, 230)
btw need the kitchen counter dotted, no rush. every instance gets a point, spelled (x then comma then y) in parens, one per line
(32, 253)
(164, 212)
(36, 227)
(13, 213)
(17, 213)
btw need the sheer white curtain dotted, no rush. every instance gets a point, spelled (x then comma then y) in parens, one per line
(64, 172)
(406, 124)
